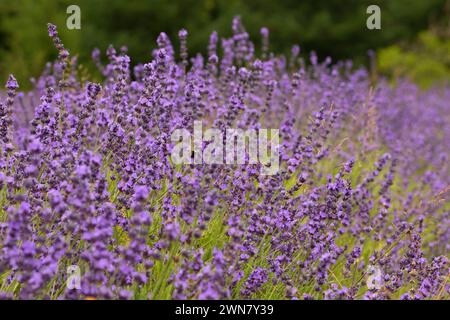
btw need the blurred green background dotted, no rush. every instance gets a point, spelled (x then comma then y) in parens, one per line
(413, 42)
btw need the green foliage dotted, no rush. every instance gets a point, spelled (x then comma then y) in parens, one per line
(332, 27)
(24, 44)
(426, 62)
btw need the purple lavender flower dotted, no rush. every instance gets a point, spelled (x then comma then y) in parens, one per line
(88, 182)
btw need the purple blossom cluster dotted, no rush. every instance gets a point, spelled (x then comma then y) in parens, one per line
(86, 179)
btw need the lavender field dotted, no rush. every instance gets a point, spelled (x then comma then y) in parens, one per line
(93, 207)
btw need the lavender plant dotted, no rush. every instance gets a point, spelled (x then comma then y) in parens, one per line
(358, 210)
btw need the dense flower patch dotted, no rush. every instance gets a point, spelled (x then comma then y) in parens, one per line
(358, 210)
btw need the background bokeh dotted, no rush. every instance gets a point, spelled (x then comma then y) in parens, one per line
(413, 42)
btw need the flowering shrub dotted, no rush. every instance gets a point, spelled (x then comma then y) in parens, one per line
(358, 209)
